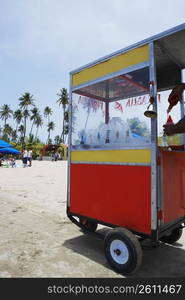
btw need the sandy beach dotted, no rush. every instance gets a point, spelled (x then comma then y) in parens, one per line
(38, 240)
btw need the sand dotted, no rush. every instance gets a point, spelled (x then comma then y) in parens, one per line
(38, 240)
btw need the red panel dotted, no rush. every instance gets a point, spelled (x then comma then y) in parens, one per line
(173, 183)
(114, 194)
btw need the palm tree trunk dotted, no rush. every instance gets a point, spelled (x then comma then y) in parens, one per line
(17, 127)
(32, 127)
(62, 134)
(48, 135)
(36, 132)
(63, 124)
(24, 134)
(5, 136)
(65, 138)
(24, 127)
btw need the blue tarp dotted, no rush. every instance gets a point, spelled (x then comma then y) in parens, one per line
(4, 144)
(9, 151)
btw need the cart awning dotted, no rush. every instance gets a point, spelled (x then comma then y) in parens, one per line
(9, 151)
(4, 144)
(112, 65)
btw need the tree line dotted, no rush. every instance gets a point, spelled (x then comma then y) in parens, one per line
(28, 113)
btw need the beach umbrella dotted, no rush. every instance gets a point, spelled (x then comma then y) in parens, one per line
(9, 151)
(4, 144)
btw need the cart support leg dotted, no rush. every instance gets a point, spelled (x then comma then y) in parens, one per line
(154, 239)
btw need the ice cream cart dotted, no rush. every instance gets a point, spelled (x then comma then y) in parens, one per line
(119, 175)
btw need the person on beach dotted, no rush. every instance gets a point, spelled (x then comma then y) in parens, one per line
(56, 156)
(12, 162)
(25, 158)
(30, 157)
(174, 97)
(1, 160)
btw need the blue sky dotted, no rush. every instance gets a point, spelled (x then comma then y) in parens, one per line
(41, 41)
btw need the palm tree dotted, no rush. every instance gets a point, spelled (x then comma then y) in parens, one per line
(5, 113)
(51, 126)
(88, 104)
(7, 132)
(49, 141)
(38, 123)
(57, 139)
(66, 126)
(30, 139)
(14, 136)
(17, 115)
(26, 100)
(47, 113)
(63, 101)
(21, 129)
(25, 114)
(33, 117)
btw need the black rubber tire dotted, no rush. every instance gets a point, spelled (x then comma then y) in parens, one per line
(173, 237)
(88, 226)
(133, 246)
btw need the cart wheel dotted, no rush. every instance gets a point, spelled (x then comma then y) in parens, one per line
(173, 237)
(123, 251)
(88, 226)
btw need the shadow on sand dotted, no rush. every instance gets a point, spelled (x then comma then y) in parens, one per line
(163, 261)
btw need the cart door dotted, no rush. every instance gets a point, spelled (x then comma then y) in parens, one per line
(173, 185)
(172, 165)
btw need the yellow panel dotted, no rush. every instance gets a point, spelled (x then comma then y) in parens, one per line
(125, 156)
(114, 64)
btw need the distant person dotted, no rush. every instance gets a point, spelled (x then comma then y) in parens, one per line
(52, 157)
(25, 158)
(174, 97)
(40, 157)
(12, 162)
(30, 157)
(56, 156)
(1, 159)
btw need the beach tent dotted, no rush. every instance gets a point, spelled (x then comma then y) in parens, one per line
(9, 151)
(4, 144)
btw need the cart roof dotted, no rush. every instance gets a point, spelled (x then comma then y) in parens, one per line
(173, 39)
(125, 73)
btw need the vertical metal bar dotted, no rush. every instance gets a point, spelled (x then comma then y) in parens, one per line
(69, 143)
(106, 112)
(107, 103)
(154, 183)
(182, 111)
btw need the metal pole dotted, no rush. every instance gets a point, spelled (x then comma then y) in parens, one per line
(69, 142)
(154, 184)
(107, 103)
(106, 112)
